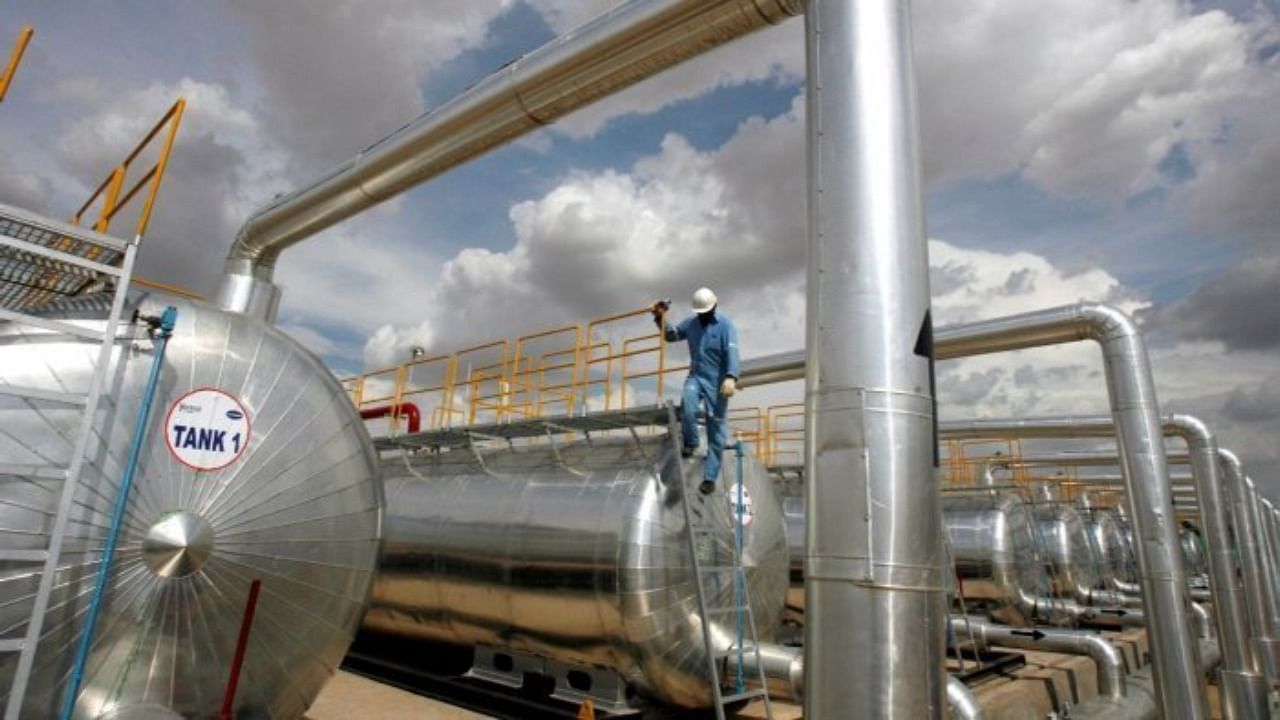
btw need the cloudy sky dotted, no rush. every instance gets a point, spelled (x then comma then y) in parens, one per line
(1117, 150)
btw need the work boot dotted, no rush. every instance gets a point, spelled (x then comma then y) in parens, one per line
(707, 487)
(687, 452)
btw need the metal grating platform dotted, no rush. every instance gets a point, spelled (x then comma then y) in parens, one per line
(42, 260)
(461, 437)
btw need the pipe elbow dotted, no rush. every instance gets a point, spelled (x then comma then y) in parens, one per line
(1111, 676)
(964, 704)
(1189, 427)
(1104, 323)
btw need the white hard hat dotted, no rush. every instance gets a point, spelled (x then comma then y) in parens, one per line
(703, 300)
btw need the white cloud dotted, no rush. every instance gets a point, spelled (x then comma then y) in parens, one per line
(336, 76)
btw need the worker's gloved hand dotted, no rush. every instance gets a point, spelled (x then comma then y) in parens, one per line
(728, 387)
(659, 310)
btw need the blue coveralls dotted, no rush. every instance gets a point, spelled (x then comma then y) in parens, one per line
(713, 356)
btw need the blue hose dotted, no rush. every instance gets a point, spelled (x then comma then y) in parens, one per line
(167, 321)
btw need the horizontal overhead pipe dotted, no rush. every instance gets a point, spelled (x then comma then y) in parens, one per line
(1136, 419)
(1107, 658)
(630, 43)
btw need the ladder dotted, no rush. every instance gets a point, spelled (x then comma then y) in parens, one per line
(697, 524)
(42, 259)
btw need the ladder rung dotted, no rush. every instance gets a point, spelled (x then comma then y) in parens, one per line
(24, 555)
(59, 256)
(57, 326)
(44, 472)
(12, 645)
(46, 395)
(744, 695)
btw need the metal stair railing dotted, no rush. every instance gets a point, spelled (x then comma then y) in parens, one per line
(741, 607)
(31, 243)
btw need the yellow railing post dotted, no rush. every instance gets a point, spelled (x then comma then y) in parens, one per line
(24, 37)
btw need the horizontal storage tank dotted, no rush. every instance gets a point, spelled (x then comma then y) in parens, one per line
(1193, 556)
(1063, 541)
(1116, 563)
(290, 496)
(575, 554)
(992, 541)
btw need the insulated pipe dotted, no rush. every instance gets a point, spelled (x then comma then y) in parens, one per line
(631, 42)
(964, 704)
(1270, 593)
(1136, 424)
(1109, 661)
(1088, 459)
(781, 665)
(874, 570)
(408, 410)
(1244, 682)
(783, 669)
(1255, 580)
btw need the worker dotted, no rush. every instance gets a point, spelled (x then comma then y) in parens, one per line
(712, 380)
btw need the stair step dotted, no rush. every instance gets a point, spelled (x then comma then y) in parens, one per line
(57, 326)
(34, 556)
(43, 472)
(73, 399)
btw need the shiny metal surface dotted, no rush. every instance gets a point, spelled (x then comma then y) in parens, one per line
(1270, 592)
(575, 554)
(1212, 493)
(963, 703)
(177, 545)
(875, 600)
(782, 666)
(1254, 577)
(1137, 426)
(1193, 555)
(1111, 543)
(299, 510)
(1107, 658)
(993, 544)
(627, 44)
(1067, 554)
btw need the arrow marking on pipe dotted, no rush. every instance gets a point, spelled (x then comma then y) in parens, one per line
(1034, 634)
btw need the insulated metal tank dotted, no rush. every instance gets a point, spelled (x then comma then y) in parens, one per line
(294, 502)
(1193, 557)
(575, 553)
(993, 545)
(1063, 540)
(1115, 561)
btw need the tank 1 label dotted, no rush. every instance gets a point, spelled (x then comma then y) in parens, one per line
(745, 511)
(207, 429)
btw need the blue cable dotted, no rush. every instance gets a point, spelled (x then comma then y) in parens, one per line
(167, 321)
(739, 592)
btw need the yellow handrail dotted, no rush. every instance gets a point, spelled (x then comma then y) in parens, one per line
(24, 37)
(110, 190)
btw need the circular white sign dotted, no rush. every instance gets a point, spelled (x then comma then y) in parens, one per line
(745, 511)
(207, 429)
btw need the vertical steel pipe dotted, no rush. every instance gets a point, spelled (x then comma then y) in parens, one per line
(874, 563)
(1252, 570)
(1244, 691)
(1270, 593)
(1243, 684)
(1135, 413)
